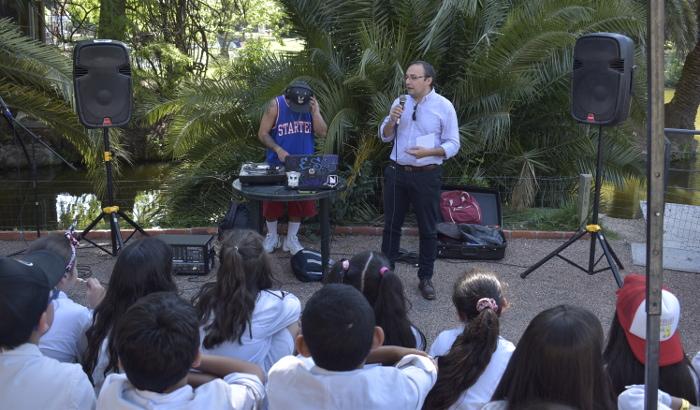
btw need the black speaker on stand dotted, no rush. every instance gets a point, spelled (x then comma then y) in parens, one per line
(103, 94)
(600, 95)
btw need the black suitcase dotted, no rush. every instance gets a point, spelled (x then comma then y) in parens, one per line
(491, 218)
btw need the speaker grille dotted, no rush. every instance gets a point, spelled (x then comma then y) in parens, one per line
(618, 65)
(601, 78)
(102, 83)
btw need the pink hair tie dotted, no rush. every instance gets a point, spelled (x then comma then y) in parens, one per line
(383, 270)
(486, 303)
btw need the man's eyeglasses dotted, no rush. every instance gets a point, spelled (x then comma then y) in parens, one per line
(413, 77)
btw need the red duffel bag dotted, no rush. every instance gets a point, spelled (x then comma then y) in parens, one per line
(459, 207)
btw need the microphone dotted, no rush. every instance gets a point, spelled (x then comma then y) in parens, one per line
(402, 103)
(4, 110)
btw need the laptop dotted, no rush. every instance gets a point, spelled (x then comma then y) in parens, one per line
(315, 171)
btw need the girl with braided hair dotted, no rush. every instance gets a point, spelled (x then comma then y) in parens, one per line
(471, 358)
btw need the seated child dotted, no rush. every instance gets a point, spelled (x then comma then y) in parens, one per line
(473, 357)
(625, 353)
(143, 266)
(369, 273)
(28, 379)
(338, 331)
(157, 341)
(65, 341)
(559, 360)
(633, 399)
(241, 316)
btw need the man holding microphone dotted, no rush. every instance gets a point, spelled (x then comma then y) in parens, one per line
(424, 130)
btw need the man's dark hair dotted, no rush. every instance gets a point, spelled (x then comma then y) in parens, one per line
(157, 340)
(338, 327)
(427, 69)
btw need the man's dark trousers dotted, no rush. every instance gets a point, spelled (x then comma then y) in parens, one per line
(421, 188)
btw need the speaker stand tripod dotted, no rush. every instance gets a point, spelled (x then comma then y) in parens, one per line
(111, 212)
(595, 231)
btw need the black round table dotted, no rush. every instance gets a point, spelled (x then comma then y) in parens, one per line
(280, 193)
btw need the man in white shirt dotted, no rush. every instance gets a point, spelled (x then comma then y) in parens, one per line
(157, 342)
(338, 332)
(423, 126)
(29, 380)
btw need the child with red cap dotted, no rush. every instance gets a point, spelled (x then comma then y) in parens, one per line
(625, 353)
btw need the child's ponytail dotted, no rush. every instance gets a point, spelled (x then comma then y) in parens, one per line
(390, 310)
(471, 352)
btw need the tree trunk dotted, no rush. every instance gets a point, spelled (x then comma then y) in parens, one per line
(112, 24)
(681, 111)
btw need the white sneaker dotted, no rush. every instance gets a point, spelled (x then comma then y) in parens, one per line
(271, 242)
(292, 245)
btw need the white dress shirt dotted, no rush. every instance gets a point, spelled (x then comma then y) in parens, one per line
(235, 391)
(65, 341)
(295, 384)
(29, 380)
(435, 123)
(270, 341)
(481, 391)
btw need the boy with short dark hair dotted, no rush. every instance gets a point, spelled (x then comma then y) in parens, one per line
(157, 342)
(28, 379)
(339, 333)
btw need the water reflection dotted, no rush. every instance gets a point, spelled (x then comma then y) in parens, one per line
(683, 187)
(64, 196)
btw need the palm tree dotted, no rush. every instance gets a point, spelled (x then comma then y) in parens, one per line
(504, 63)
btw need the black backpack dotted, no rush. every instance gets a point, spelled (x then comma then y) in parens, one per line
(237, 217)
(306, 265)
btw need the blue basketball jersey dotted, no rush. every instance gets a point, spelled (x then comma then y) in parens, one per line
(292, 131)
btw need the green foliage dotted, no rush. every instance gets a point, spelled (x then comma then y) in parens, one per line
(505, 64)
(564, 218)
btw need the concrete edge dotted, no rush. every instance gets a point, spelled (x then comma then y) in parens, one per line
(337, 230)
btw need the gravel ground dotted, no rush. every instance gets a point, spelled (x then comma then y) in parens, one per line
(553, 283)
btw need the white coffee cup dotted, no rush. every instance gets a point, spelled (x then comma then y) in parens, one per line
(293, 178)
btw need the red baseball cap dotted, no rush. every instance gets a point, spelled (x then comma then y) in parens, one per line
(631, 313)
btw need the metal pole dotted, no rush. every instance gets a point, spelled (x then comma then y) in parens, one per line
(655, 196)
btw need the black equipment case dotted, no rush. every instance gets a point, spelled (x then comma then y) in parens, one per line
(491, 220)
(192, 254)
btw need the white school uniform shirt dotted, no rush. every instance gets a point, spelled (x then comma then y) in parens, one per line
(481, 391)
(29, 380)
(65, 341)
(98, 373)
(633, 399)
(295, 384)
(269, 340)
(236, 391)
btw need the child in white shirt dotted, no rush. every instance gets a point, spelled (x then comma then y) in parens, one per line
(28, 379)
(157, 341)
(65, 341)
(142, 267)
(338, 331)
(240, 315)
(474, 356)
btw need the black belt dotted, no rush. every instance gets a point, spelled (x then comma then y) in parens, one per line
(412, 168)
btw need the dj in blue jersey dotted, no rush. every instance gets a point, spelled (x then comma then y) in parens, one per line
(288, 127)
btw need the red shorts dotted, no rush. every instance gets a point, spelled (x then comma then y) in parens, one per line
(273, 210)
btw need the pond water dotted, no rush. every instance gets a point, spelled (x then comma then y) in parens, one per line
(64, 195)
